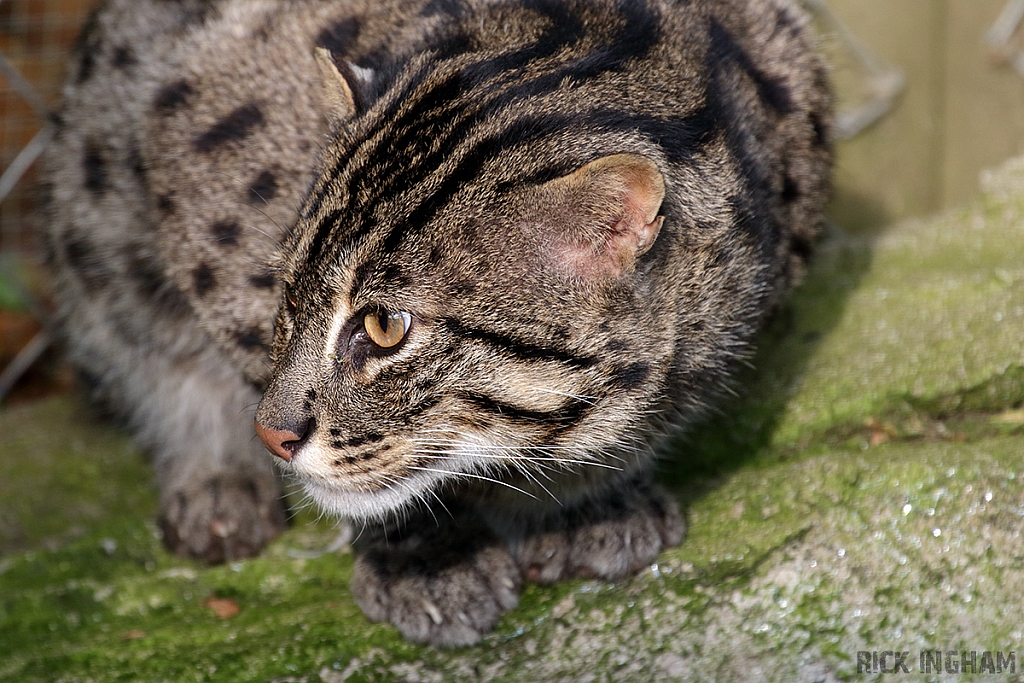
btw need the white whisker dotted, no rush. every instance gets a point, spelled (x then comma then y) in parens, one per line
(590, 400)
(474, 476)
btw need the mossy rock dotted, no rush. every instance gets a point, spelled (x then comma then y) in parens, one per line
(866, 494)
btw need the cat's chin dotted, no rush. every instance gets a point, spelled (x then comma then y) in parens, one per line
(377, 505)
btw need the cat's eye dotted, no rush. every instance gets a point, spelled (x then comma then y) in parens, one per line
(386, 329)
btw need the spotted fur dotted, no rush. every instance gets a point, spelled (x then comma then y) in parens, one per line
(226, 208)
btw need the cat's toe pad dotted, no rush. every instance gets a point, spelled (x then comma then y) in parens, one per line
(449, 605)
(222, 519)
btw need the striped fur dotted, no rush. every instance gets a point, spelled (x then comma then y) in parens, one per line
(221, 221)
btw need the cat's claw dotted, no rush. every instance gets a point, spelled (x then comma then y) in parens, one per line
(447, 603)
(223, 518)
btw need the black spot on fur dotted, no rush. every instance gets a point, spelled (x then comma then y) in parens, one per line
(394, 276)
(263, 281)
(124, 57)
(165, 204)
(56, 120)
(86, 64)
(153, 286)
(226, 233)
(802, 248)
(87, 46)
(616, 346)
(173, 97)
(90, 268)
(464, 288)
(335, 432)
(631, 376)
(338, 36)
(357, 441)
(435, 256)
(136, 163)
(311, 394)
(234, 127)
(250, 339)
(203, 279)
(79, 252)
(790, 190)
(194, 12)
(820, 131)
(263, 189)
(95, 169)
(90, 382)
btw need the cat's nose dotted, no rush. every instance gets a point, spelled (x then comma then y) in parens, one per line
(283, 442)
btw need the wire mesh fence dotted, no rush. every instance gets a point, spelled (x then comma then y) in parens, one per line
(35, 39)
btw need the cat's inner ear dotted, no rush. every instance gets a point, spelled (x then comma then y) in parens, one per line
(342, 84)
(603, 217)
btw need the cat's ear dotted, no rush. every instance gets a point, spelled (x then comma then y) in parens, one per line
(604, 216)
(342, 82)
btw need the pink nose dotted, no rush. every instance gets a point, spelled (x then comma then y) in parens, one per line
(280, 442)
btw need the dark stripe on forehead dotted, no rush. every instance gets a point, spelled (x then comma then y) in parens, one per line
(399, 99)
(518, 348)
(323, 232)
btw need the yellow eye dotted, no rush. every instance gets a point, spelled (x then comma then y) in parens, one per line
(386, 329)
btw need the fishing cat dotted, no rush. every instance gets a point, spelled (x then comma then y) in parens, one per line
(472, 258)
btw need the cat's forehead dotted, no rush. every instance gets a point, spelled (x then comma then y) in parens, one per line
(395, 249)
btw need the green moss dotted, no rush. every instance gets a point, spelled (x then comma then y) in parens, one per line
(65, 473)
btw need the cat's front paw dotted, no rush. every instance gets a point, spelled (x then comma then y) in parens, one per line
(437, 596)
(222, 519)
(604, 541)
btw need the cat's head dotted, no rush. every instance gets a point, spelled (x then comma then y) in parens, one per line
(469, 300)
